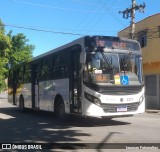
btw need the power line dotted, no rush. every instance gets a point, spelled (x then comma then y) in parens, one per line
(97, 15)
(49, 29)
(82, 2)
(42, 30)
(85, 17)
(92, 19)
(55, 7)
(111, 12)
(102, 6)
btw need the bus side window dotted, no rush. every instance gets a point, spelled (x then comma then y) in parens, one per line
(60, 66)
(56, 64)
(46, 69)
(27, 73)
(20, 75)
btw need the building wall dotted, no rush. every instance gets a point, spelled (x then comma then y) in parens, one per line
(151, 57)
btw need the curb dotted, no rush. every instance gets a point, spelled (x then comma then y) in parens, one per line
(152, 111)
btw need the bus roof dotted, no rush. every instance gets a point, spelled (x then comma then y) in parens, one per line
(79, 41)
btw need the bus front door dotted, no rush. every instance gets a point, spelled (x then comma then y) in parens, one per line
(75, 82)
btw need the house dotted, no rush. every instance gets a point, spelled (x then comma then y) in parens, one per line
(147, 32)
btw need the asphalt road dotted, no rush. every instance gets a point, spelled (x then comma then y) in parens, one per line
(43, 127)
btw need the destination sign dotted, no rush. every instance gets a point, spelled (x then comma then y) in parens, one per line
(121, 44)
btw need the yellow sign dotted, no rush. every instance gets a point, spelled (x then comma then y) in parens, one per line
(117, 79)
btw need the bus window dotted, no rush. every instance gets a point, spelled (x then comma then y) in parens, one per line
(46, 69)
(27, 73)
(60, 66)
(20, 74)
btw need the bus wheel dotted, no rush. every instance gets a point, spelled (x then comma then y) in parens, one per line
(21, 104)
(61, 110)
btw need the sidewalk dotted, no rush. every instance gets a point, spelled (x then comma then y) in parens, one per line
(152, 111)
(3, 95)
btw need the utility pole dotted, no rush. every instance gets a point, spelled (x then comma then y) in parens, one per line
(130, 12)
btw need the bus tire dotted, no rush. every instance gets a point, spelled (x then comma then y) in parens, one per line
(60, 111)
(21, 104)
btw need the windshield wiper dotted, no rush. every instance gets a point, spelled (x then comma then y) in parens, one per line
(125, 61)
(106, 59)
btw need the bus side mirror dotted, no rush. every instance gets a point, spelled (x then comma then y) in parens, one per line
(82, 57)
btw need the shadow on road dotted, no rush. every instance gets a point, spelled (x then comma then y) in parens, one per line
(43, 127)
(93, 122)
(34, 127)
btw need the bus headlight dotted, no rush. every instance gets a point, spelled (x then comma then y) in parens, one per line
(141, 99)
(92, 99)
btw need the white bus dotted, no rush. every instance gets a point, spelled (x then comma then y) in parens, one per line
(96, 76)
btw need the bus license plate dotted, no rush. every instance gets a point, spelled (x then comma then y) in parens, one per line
(122, 109)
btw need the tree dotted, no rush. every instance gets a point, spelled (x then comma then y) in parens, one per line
(5, 45)
(20, 51)
(14, 50)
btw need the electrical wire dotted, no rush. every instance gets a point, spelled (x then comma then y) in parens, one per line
(54, 7)
(92, 20)
(104, 4)
(85, 17)
(111, 12)
(49, 29)
(82, 2)
(42, 30)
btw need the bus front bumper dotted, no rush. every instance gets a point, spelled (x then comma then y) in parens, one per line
(113, 111)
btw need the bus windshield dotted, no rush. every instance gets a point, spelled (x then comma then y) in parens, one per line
(103, 68)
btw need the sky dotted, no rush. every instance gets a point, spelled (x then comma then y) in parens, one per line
(49, 24)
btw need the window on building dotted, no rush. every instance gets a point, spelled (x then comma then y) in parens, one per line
(142, 38)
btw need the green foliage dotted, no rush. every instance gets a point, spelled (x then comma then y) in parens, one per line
(20, 50)
(5, 45)
(13, 50)
(2, 30)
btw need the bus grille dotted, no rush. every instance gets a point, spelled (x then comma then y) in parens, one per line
(121, 90)
(113, 107)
